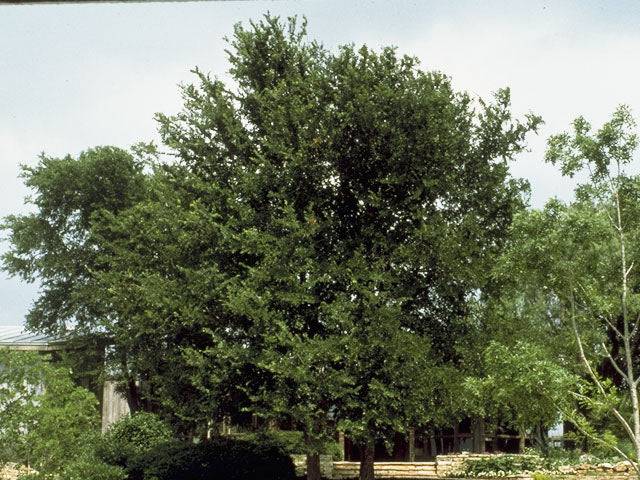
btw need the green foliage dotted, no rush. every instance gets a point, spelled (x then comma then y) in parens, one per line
(500, 465)
(220, 458)
(333, 214)
(131, 436)
(85, 467)
(312, 252)
(91, 468)
(524, 385)
(45, 420)
(572, 264)
(53, 243)
(292, 442)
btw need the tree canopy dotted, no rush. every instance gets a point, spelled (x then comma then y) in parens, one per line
(311, 247)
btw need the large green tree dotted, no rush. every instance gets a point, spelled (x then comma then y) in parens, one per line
(329, 215)
(312, 247)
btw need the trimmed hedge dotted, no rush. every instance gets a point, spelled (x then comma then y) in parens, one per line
(218, 459)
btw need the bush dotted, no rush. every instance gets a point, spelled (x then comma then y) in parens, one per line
(47, 421)
(290, 441)
(88, 468)
(501, 465)
(132, 436)
(219, 459)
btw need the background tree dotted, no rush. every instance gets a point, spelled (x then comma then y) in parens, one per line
(580, 260)
(53, 245)
(525, 388)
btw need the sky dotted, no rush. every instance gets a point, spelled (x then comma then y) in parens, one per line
(82, 75)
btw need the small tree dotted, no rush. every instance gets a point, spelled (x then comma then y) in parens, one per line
(46, 421)
(575, 265)
(604, 154)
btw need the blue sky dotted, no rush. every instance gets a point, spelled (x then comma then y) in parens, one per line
(76, 76)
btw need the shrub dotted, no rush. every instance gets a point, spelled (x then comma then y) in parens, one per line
(501, 465)
(85, 467)
(290, 441)
(47, 421)
(221, 458)
(91, 468)
(132, 436)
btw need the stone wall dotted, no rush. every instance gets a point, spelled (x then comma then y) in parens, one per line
(11, 471)
(345, 470)
(326, 465)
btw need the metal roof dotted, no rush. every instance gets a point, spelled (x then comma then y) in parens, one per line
(16, 337)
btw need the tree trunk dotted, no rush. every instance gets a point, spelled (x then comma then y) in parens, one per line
(366, 461)
(313, 466)
(478, 429)
(412, 444)
(542, 439)
(131, 390)
(433, 446)
(341, 442)
(456, 437)
(132, 395)
(522, 442)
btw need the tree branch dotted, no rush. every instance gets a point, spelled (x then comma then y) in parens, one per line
(614, 363)
(593, 375)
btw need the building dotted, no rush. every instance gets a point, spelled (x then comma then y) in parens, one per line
(14, 337)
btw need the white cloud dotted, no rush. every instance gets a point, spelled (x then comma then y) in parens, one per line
(552, 70)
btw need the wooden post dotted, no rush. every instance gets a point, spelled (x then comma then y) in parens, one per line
(412, 444)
